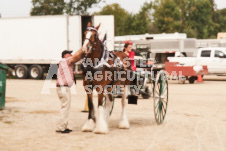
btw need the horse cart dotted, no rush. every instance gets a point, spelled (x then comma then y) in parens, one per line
(149, 84)
(104, 70)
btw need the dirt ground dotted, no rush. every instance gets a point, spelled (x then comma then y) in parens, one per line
(195, 120)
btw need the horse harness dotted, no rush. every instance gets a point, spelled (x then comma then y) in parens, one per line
(102, 63)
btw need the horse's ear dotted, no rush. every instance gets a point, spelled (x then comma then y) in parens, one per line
(97, 27)
(89, 24)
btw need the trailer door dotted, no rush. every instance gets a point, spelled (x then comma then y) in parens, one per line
(85, 21)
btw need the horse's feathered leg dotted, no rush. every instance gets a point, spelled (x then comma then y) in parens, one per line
(109, 103)
(101, 124)
(124, 123)
(90, 123)
(109, 99)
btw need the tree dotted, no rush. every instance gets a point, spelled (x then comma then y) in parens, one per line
(168, 17)
(221, 20)
(79, 7)
(126, 23)
(201, 19)
(47, 7)
(142, 20)
(120, 16)
(194, 17)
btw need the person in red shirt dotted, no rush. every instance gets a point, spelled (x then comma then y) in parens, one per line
(128, 50)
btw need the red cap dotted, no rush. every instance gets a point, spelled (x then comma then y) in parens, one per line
(128, 42)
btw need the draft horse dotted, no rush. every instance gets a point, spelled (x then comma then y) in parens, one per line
(93, 49)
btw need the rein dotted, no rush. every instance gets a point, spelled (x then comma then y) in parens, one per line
(96, 37)
(103, 59)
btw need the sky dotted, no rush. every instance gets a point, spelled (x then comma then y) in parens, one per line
(21, 8)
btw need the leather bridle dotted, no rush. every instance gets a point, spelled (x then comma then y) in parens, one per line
(95, 36)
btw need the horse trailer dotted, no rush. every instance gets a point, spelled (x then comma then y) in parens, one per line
(30, 45)
(201, 43)
(160, 49)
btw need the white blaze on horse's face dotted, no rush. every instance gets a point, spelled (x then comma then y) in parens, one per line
(86, 42)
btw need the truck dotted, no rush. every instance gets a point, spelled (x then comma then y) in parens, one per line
(213, 57)
(30, 45)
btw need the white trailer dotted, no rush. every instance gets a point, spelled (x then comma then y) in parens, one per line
(30, 44)
(187, 46)
(152, 36)
(146, 38)
(160, 49)
(201, 43)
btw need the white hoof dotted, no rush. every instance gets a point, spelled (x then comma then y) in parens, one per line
(88, 126)
(101, 128)
(124, 124)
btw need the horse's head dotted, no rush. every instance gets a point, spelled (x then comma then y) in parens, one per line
(91, 38)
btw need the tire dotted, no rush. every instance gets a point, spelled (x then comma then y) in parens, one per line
(35, 72)
(21, 71)
(148, 95)
(191, 80)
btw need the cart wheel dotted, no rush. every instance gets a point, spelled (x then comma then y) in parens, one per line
(113, 101)
(192, 79)
(160, 96)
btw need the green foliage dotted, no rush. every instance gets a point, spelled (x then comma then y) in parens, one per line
(195, 17)
(221, 19)
(168, 17)
(142, 20)
(200, 18)
(57, 7)
(125, 23)
(120, 15)
(47, 7)
(79, 7)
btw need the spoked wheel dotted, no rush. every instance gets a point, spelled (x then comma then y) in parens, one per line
(160, 96)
